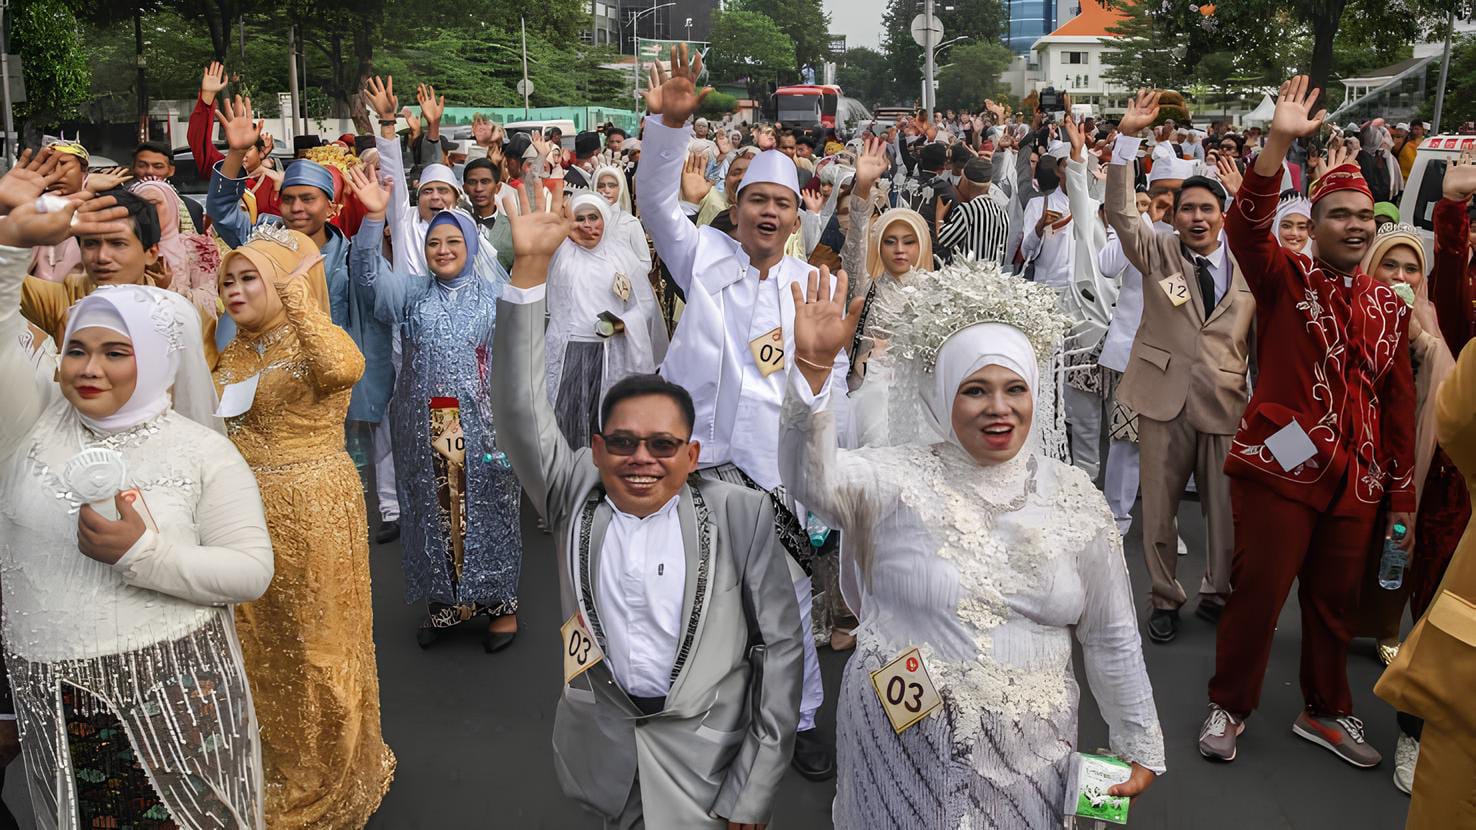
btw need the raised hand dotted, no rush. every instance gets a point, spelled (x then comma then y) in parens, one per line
(1229, 175)
(1338, 154)
(29, 178)
(381, 95)
(724, 144)
(695, 185)
(283, 283)
(677, 97)
(241, 131)
(266, 144)
(1074, 135)
(412, 121)
(1294, 116)
(98, 181)
(1460, 178)
(372, 195)
(1142, 111)
(871, 165)
(32, 224)
(212, 81)
(430, 107)
(823, 324)
(814, 202)
(536, 234)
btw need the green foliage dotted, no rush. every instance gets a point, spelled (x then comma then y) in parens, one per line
(747, 44)
(982, 21)
(971, 75)
(717, 104)
(46, 36)
(803, 22)
(864, 76)
(1460, 88)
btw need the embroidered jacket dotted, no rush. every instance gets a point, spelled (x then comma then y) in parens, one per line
(1333, 357)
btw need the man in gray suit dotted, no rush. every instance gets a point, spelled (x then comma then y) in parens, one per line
(682, 647)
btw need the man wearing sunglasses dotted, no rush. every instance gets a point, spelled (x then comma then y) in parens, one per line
(682, 643)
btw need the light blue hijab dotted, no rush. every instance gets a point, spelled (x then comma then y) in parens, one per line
(469, 234)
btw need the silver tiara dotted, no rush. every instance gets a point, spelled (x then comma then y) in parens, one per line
(273, 232)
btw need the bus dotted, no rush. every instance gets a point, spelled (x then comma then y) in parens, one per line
(805, 106)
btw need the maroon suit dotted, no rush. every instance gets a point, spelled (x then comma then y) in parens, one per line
(1334, 358)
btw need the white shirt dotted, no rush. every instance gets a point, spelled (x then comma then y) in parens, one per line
(737, 408)
(639, 591)
(1053, 250)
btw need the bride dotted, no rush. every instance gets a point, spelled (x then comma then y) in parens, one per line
(969, 544)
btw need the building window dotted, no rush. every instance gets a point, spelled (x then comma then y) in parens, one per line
(1076, 57)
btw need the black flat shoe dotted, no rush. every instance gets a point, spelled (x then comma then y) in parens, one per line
(495, 641)
(388, 532)
(1163, 625)
(1209, 611)
(427, 635)
(812, 758)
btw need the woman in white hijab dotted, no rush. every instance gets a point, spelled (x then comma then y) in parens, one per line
(610, 183)
(972, 558)
(603, 322)
(1294, 222)
(130, 526)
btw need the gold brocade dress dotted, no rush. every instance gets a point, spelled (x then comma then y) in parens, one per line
(308, 641)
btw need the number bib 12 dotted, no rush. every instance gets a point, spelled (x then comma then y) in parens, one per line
(1176, 289)
(581, 652)
(906, 690)
(768, 351)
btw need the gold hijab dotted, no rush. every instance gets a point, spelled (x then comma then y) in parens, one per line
(874, 266)
(277, 252)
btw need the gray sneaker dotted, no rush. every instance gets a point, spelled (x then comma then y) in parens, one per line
(1217, 736)
(1342, 737)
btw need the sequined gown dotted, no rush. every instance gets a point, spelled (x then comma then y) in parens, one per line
(988, 571)
(446, 335)
(146, 646)
(309, 641)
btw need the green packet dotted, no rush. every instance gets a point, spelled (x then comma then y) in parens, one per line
(1091, 777)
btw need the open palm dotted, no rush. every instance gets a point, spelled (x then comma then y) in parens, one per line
(241, 131)
(1294, 115)
(1142, 111)
(371, 194)
(1460, 178)
(675, 98)
(823, 325)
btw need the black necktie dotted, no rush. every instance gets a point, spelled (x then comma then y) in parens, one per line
(1206, 284)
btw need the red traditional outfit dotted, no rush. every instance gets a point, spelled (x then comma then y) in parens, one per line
(1445, 506)
(1334, 359)
(262, 194)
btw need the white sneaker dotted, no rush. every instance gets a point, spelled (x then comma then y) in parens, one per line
(1406, 756)
(1183, 548)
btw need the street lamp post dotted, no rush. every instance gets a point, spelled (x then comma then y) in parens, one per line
(524, 25)
(5, 84)
(930, 65)
(636, 33)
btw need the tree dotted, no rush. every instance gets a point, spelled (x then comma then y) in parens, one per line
(748, 44)
(803, 22)
(981, 21)
(45, 34)
(972, 74)
(863, 75)
(1460, 88)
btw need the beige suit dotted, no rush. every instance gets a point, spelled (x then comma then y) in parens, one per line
(1186, 378)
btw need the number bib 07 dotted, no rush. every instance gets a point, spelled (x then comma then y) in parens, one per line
(768, 351)
(906, 690)
(581, 652)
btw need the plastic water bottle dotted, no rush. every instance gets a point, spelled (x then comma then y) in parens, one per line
(1391, 564)
(816, 530)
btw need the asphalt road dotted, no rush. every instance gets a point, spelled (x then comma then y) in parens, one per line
(472, 730)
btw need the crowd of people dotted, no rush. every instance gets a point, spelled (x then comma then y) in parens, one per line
(767, 389)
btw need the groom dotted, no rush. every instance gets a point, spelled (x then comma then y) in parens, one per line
(682, 644)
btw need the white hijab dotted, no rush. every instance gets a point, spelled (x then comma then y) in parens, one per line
(622, 201)
(168, 352)
(967, 351)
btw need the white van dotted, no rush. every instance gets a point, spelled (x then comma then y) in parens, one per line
(1424, 187)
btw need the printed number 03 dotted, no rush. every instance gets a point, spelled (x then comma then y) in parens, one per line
(579, 646)
(897, 690)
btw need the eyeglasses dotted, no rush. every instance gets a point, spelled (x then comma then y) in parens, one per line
(660, 446)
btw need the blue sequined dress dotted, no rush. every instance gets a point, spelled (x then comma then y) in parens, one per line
(446, 335)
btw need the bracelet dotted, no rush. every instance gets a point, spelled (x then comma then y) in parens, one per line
(810, 365)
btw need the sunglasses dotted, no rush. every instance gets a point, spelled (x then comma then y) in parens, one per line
(660, 446)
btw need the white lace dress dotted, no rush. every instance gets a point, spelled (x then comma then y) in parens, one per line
(987, 570)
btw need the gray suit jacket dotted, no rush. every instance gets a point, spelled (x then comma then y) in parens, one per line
(723, 743)
(1181, 363)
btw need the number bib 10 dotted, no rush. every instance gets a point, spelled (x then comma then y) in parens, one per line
(581, 652)
(906, 690)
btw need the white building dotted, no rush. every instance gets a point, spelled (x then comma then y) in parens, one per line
(1070, 59)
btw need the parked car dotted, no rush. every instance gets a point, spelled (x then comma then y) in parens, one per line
(1426, 181)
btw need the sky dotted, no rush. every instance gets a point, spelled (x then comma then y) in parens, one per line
(859, 20)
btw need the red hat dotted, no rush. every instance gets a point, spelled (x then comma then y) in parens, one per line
(347, 140)
(1343, 177)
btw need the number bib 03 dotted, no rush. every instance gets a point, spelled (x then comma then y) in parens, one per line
(581, 652)
(906, 690)
(768, 351)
